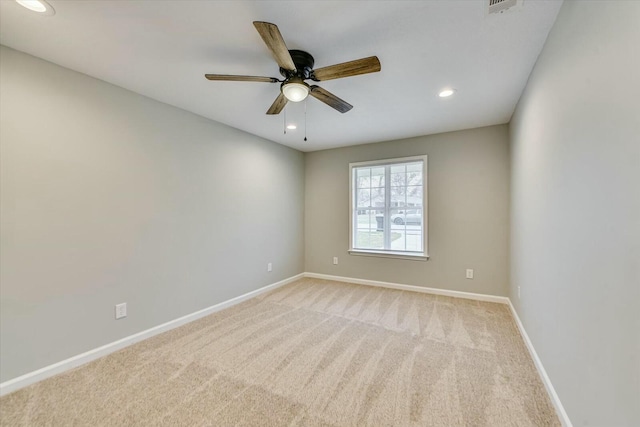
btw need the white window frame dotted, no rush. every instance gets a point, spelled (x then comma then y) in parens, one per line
(419, 256)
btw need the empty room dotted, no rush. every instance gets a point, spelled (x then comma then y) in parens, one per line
(320, 213)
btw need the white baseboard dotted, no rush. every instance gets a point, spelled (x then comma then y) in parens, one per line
(86, 357)
(562, 414)
(445, 292)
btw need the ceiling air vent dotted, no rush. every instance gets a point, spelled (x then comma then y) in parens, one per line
(499, 6)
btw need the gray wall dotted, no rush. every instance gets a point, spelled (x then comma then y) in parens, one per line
(576, 211)
(468, 194)
(108, 196)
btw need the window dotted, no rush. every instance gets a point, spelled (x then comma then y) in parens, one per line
(388, 214)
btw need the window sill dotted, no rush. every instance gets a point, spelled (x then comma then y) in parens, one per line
(386, 254)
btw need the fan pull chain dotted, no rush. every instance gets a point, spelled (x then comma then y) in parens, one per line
(284, 124)
(305, 119)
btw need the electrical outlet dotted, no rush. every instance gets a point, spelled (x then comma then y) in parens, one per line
(469, 273)
(121, 310)
(269, 267)
(335, 260)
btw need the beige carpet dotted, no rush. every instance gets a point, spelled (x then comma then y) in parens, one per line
(313, 353)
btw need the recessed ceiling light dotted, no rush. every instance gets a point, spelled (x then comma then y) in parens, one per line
(39, 6)
(446, 92)
(292, 127)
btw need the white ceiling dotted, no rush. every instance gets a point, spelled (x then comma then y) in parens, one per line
(162, 49)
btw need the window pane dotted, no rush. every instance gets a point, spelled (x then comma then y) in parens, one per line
(413, 240)
(398, 179)
(364, 182)
(377, 197)
(369, 239)
(364, 198)
(406, 229)
(361, 239)
(377, 177)
(414, 167)
(414, 174)
(398, 169)
(398, 239)
(398, 197)
(406, 216)
(414, 195)
(363, 172)
(366, 219)
(414, 178)
(406, 240)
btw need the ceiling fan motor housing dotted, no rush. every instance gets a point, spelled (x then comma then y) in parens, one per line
(304, 65)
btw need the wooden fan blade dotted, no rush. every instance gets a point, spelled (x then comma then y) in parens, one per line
(231, 78)
(274, 41)
(330, 99)
(278, 104)
(347, 69)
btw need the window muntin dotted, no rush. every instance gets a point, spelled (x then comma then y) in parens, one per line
(388, 206)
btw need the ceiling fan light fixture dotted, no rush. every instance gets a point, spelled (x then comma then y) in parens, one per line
(295, 90)
(39, 6)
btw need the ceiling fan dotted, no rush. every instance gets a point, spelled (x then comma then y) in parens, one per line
(296, 66)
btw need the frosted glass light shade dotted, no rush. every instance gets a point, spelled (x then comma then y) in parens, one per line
(295, 92)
